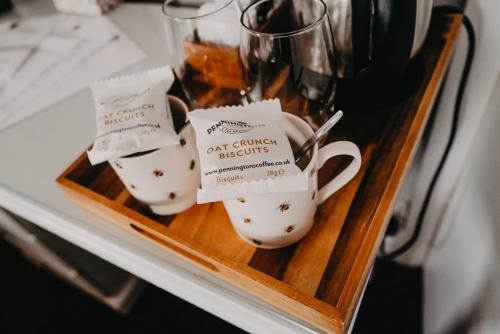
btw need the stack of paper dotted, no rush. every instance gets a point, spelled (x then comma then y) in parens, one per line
(45, 59)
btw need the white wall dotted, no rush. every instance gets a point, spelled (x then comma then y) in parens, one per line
(457, 245)
(462, 272)
(463, 255)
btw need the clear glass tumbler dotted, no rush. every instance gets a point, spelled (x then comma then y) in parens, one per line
(287, 51)
(203, 43)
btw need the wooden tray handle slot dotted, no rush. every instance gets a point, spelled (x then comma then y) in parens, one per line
(197, 260)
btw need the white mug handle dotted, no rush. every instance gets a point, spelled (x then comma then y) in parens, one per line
(330, 151)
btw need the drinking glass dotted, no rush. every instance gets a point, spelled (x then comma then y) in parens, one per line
(287, 51)
(202, 44)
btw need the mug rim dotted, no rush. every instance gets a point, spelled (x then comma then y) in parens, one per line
(184, 108)
(323, 17)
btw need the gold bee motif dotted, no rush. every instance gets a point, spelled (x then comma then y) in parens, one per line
(182, 141)
(172, 196)
(257, 242)
(241, 200)
(247, 220)
(191, 166)
(158, 173)
(290, 229)
(284, 206)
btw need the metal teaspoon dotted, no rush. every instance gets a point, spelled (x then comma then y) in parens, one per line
(320, 133)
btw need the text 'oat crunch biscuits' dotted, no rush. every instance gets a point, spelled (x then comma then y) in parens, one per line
(132, 115)
(244, 151)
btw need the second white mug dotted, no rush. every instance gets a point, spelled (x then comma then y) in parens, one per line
(280, 219)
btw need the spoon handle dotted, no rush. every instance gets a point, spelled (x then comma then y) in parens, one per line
(322, 131)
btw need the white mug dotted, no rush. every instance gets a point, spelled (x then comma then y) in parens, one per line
(280, 219)
(165, 179)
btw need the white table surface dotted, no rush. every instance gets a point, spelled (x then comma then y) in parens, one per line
(35, 151)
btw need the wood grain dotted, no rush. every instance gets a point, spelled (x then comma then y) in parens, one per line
(304, 274)
(318, 280)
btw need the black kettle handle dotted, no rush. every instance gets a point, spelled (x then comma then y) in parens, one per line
(384, 34)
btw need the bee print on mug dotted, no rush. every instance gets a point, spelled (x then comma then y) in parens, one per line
(285, 206)
(158, 173)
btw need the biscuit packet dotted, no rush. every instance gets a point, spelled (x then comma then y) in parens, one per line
(244, 151)
(132, 115)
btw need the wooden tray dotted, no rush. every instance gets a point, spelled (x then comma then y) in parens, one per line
(319, 279)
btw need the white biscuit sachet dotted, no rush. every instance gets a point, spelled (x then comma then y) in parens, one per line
(132, 115)
(244, 151)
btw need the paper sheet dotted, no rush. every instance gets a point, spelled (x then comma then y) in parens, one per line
(56, 56)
